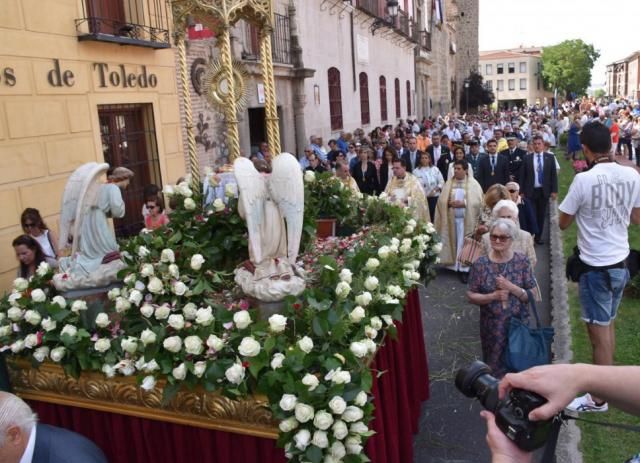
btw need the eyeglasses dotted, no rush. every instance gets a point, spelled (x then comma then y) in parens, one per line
(499, 238)
(513, 191)
(29, 225)
(152, 206)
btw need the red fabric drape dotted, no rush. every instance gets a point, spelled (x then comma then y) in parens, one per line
(398, 394)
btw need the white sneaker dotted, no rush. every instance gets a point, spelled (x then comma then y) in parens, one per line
(586, 404)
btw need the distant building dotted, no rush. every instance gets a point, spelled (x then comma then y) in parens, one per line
(515, 76)
(623, 77)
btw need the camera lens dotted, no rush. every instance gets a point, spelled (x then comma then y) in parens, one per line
(476, 381)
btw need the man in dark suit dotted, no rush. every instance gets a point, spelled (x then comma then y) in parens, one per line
(412, 155)
(446, 158)
(27, 440)
(492, 167)
(539, 181)
(435, 149)
(474, 156)
(398, 146)
(515, 155)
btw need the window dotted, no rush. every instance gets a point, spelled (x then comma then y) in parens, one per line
(397, 95)
(383, 98)
(488, 69)
(489, 84)
(500, 68)
(408, 98)
(512, 84)
(500, 85)
(365, 117)
(523, 84)
(335, 98)
(523, 67)
(511, 67)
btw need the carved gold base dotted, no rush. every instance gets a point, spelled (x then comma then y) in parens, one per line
(124, 396)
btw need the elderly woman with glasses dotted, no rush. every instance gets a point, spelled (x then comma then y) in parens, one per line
(527, 216)
(498, 283)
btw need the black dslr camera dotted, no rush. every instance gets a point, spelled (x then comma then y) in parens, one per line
(512, 412)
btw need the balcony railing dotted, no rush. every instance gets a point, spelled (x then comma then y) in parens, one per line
(129, 22)
(423, 39)
(403, 23)
(280, 41)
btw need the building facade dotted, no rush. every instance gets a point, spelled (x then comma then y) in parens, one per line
(515, 76)
(623, 78)
(76, 87)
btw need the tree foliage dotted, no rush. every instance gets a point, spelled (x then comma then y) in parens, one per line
(478, 94)
(599, 93)
(567, 66)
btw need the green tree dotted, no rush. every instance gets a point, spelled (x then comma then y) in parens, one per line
(567, 66)
(599, 93)
(477, 93)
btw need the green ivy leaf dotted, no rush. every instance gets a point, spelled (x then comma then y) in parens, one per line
(314, 454)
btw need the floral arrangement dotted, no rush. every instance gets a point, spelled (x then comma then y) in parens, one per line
(175, 319)
(326, 196)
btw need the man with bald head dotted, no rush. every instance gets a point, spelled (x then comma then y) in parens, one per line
(24, 440)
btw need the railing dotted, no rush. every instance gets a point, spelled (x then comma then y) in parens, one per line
(372, 7)
(403, 23)
(133, 22)
(280, 41)
(423, 39)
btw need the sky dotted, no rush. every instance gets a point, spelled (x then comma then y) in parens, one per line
(610, 26)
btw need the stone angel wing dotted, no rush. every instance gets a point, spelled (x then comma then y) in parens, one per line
(287, 191)
(80, 193)
(253, 194)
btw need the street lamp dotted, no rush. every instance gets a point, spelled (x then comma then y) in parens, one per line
(466, 95)
(389, 20)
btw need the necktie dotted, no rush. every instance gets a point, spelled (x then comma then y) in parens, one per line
(493, 163)
(540, 169)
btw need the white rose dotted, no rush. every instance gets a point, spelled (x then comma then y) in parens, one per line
(358, 349)
(148, 383)
(17, 346)
(405, 249)
(371, 283)
(5, 331)
(193, 345)
(122, 305)
(172, 344)
(148, 337)
(57, 354)
(150, 366)
(49, 324)
(352, 414)
(306, 344)
(337, 451)
(102, 320)
(143, 251)
(361, 399)
(70, 330)
(183, 189)
(113, 293)
(242, 319)
(162, 312)
(341, 377)
(340, 430)
(30, 316)
(199, 368)
(357, 314)
(346, 275)
(78, 306)
(288, 425)
(302, 439)
(31, 341)
(135, 297)
(146, 310)
(190, 311)
(43, 269)
(38, 295)
(311, 381)
(288, 402)
(155, 285)
(277, 323)
(60, 301)
(352, 444)
(167, 256)
(372, 264)
(408, 230)
(437, 247)
(230, 190)
(304, 412)
(371, 346)
(337, 405)
(235, 373)
(189, 204)
(376, 323)
(358, 428)
(323, 420)
(276, 361)
(343, 289)
(215, 343)
(129, 344)
(309, 176)
(320, 439)
(179, 288)
(196, 261)
(41, 353)
(364, 299)
(218, 205)
(370, 331)
(176, 321)
(126, 367)
(20, 284)
(383, 252)
(13, 298)
(147, 270)
(204, 316)
(169, 190)
(15, 313)
(249, 347)
(102, 345)
(180, 372)
(108, 370)
(174, 271)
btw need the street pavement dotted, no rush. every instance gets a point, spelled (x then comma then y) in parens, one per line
(451, 429)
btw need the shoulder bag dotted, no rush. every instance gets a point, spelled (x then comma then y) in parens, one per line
(527, 347)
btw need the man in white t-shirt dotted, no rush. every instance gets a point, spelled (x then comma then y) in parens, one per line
(603, 201)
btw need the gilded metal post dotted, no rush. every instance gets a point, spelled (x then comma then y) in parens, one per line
(270, 106)
(230, 111)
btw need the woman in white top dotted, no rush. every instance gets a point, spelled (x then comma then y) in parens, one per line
(458, 155)
(33, 225)
(431, 180)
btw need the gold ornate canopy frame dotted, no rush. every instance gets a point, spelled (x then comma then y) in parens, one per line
(220, 16)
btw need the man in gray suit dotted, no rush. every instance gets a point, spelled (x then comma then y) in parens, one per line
(23, 439)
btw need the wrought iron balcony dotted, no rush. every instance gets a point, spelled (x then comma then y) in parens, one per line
(280, 41)
(142, 23)
(402, 24)
(422, 38)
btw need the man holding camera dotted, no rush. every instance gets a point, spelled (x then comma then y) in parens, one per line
(602, 201)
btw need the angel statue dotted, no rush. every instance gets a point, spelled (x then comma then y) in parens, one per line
(87, 204)
(266, 201)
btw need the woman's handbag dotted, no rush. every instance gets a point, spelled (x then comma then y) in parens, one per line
(527, 347)
(471, 250)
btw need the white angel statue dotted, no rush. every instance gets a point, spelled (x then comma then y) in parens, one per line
(266, 201)
(87, 203)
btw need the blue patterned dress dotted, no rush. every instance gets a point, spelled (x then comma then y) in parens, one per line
(494, 319)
